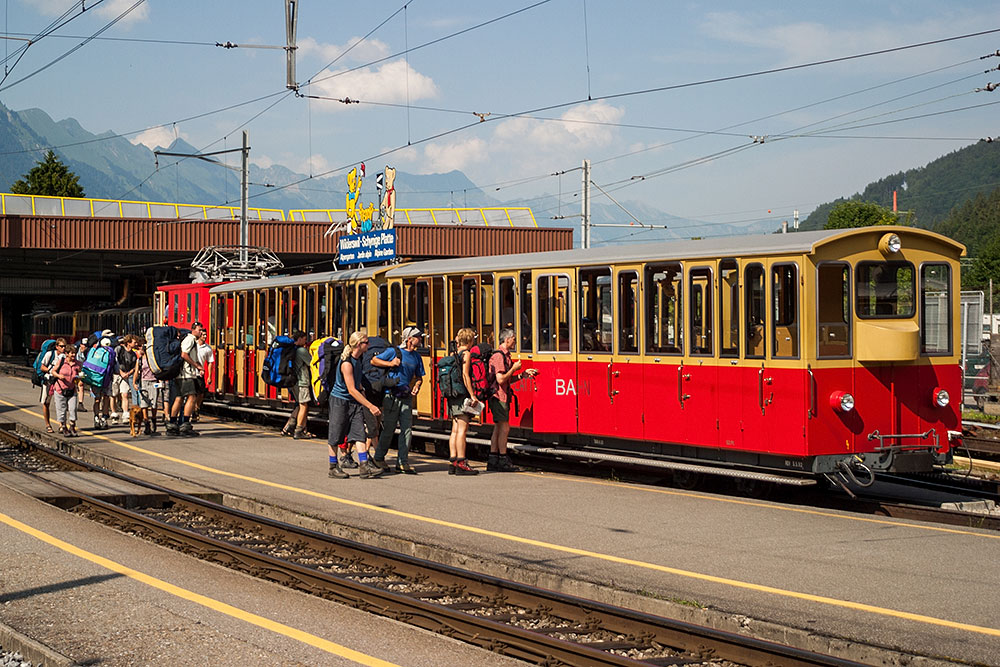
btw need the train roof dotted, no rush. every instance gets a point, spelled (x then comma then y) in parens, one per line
(731, 246)
(288, 281)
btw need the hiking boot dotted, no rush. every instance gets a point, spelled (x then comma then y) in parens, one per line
(172, 429)
(381, 465)
(337, 472)
(505, 465)
(368, 471)
(147, 429)
(406, 469)
(462, 468)
(451, 467)
(347, 461)
(493, 463)
(186, 429)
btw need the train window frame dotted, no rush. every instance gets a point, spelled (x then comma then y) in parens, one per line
(594, 283)
(729, 298)
(705, 293)
(261, 328)
(949, 323)
(382, 320)
(241, 321)
(655, 322)
(273, 315)
(322, 310)
(858, 298)
(351, 310)
(309, 311)
(821, 324)
(776, 322)
(337, 312)
(622, 320)
(396, 322)
(507, 286)
(526, 295)
(422, 305)
(487, 304)
(363, 305)
(554, 279)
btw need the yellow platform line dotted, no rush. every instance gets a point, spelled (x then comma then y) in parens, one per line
(734, 583)
(197, 598)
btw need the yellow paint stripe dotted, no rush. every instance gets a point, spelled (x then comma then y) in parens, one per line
(834, 602)
(197, 598)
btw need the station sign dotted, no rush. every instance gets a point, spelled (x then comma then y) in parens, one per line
(378, 245)
(373, 234)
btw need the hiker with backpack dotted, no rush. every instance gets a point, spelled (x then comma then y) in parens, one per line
(186, 385)
(377, 363)
(397, 406)
(63, 389)
(461, 404)
(301, 393)
(98, 370)
(502, 371)
(347, 400)
(44, 363)
(81, 356)
(121, 383)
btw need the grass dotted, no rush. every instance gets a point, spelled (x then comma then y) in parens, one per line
(977, 416)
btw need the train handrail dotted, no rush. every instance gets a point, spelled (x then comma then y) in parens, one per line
(813, 411)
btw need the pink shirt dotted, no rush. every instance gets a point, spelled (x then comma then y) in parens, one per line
(500, 363)
(64, 375)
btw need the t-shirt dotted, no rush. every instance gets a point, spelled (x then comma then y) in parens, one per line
(189, 345)
(302, 362)
(146, 371)
(500, 363)
(410, 367)
(206, 355)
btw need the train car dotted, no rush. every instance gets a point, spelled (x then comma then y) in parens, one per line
(815, 353)
(36, 328)
(181, 305)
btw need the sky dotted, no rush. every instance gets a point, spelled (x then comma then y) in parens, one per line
(675, 104)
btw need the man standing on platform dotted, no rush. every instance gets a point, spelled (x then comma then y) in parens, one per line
(502, 370)
(187, 386)
(397, 406)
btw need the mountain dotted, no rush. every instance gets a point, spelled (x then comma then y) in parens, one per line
(932, 191)
(112, 167)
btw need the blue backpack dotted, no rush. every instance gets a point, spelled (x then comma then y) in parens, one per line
(279, 364)
(37, 377)
(99, 365)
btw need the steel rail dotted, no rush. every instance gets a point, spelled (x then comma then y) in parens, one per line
(627, 628)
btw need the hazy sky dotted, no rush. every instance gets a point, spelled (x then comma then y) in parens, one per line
(873, 115)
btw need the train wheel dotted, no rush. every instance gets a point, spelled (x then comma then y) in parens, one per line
(685, 479)
(753, 488)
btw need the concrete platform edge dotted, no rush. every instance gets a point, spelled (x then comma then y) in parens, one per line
(37, 653)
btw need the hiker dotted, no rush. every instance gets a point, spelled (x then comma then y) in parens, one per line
(502, 370)
(397, 405)
(347, 400)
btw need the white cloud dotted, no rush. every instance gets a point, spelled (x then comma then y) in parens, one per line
(315, 164)
(460, 154)
(365, 51)
(161, 136)
(579, 127)
(109, 9)
(262, 161)
(386, 83)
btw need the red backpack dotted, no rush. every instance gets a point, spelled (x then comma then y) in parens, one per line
(479, 370)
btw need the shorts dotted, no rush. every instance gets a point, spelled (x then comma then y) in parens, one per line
(46, 397)
(455, 408)
(187, 387)
(302, 395)
(500, 410)
(150, 394)
(119, 386)
(345, 419)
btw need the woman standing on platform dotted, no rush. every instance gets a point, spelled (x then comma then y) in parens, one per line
(347, 400)
(460, 408)
(64, 384)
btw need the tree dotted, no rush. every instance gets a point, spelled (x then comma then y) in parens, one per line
(854, 213)
(49, 177)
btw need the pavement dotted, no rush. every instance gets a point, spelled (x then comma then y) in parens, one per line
(875, 590)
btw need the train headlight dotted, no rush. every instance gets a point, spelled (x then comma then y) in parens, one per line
(841, 401)
(890, 244)
(941, 397)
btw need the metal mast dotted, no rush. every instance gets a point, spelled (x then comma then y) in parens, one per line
(244, 195)
(585, 207)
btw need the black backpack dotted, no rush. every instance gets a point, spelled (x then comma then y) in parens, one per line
(449, 379)
(164, 352)
(375, 378)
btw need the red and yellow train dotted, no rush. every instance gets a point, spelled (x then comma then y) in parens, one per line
(801, 354)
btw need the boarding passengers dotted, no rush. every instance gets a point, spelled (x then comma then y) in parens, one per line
(347, 400)
(121, 383)
(301, 393)
(46, 365)
(187, 385)
(461, 408)
(81, 356)
(397, 405)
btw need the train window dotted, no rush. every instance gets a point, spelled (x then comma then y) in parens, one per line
(753, 280)
(196, 313)
(241, 312)
(352, 308)
(383, 311)
(700, 309)
(885, 290)
(628, 323)
(595, 310)
(785, 316)
(935, 309)
(363, 307)
(553, 313)
(422, 304)
(729, 308)
(323, 314)
(526, 310)
(486, 308)
(187, 310)
(469, 315)
(507, 303)
(833, 310)
(437, 297)
(337, 312)
(397, 309)
(294, 305)
(261, 320)
(272, 316)
(177, 307)
(664, 311)
(309, 325)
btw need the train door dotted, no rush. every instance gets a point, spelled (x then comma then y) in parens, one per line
(698, 378)
(273, 328)
(755, 401)
(383, 314)
(507, 317)
(309, 312)
(397, 306)
(438, 341)
(217, 321)
(784, 385)
(240, 344)
(258, 346)
(337, 322)
(556, 384)
(364, 307)
(626, 376)
(423, 314)
(729, 371)
(595, 395)
(662, 397)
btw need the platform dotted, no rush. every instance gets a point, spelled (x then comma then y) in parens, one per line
(825, 580)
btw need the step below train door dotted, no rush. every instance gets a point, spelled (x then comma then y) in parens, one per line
(556, 387)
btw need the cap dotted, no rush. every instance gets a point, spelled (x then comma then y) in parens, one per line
(412, 332)
(107, 333)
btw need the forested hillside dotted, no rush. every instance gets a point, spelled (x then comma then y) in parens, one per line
(932, 191)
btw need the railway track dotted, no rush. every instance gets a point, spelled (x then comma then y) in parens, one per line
(532, 624)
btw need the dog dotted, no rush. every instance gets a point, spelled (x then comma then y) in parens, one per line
(135, 420)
